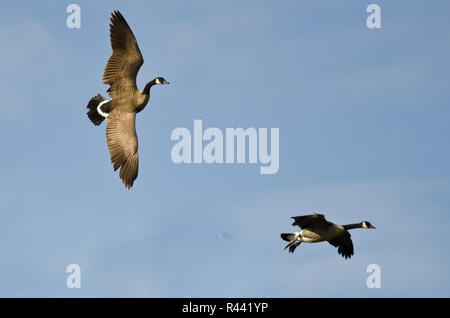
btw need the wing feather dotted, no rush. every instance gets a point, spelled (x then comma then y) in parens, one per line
(344, 244)
(123, 145)
(126, 59)
(308, 221)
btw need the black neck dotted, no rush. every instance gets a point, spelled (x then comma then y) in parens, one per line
(352, 226)
(147, 87)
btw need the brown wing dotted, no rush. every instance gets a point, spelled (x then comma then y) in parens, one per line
(308, 221)
(126, 60)
(123, 145)
(344, 244)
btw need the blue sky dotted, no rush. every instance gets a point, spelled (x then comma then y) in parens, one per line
(363, 118)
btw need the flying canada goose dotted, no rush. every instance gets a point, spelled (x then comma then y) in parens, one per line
(126, 99)
(315, 228)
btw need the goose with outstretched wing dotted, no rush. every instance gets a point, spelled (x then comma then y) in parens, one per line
(315, 228)
(126, 99)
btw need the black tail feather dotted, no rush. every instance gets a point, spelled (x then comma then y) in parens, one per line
(93, 114)
(287, 236)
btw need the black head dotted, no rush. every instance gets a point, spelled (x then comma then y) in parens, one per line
(156, 81)
(160, 80)
(367, 225)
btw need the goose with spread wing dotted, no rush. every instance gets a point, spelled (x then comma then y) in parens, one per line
(315, 228)
(126, 99)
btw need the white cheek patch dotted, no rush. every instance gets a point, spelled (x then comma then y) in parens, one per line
(99, 109)
(157, 81)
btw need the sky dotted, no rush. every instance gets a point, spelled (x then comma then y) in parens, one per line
(363, 135)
